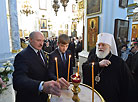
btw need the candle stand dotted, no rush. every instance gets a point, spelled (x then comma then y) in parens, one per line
(75, 89)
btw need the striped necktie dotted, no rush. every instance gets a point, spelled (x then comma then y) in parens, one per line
(38, 53)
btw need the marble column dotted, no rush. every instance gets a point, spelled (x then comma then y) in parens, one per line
(14, 26)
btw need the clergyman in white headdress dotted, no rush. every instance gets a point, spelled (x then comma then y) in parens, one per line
(112, 78)
(108, 40)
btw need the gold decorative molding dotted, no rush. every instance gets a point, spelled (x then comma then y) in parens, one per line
(132, 5)
(16, 51)
(130, 15)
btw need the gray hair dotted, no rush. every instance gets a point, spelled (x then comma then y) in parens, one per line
(33, 33)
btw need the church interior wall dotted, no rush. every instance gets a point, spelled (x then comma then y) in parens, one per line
(4, 36)
(110, 12)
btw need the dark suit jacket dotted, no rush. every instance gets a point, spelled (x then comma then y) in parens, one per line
(71, 47)
(62, 69)
(29, 72)
(134, 66)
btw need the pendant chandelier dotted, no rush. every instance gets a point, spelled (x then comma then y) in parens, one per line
(26, 8)
(56, 5)
(64, 3)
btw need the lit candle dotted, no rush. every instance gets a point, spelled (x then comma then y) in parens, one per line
(56, 68)
(93, 81)
(78, 67)
(76, 78)
(68, 68)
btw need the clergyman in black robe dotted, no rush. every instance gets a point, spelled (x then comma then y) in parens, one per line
(112, 77)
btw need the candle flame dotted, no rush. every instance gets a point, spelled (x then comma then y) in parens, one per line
(78, 67)
(69, 56)
(56, 58)
(92, 63)
(78, 63)
(77, 74)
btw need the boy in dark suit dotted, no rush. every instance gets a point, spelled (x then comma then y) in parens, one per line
(62, 55)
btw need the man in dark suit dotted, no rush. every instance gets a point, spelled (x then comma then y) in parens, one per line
(134, 63)
(71, 47)
(62, 55)
(30, 78)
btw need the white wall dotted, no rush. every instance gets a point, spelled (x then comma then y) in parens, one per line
(111, 11)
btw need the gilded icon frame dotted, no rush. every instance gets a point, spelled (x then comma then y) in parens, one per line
(134, 31)
(43, 24)
(92, 32)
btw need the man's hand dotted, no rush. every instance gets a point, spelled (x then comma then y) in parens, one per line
(52, 87)
(63, 83)
(104, 63)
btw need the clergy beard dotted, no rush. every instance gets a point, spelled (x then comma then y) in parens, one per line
(102, 54)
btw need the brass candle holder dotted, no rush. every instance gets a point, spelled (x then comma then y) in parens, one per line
(75, 89)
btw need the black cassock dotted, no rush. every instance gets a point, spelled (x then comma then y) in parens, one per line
(116, 82)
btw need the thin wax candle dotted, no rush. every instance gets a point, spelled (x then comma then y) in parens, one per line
(93, 82)
(56, 68)
(78, 67)
(68, 68)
